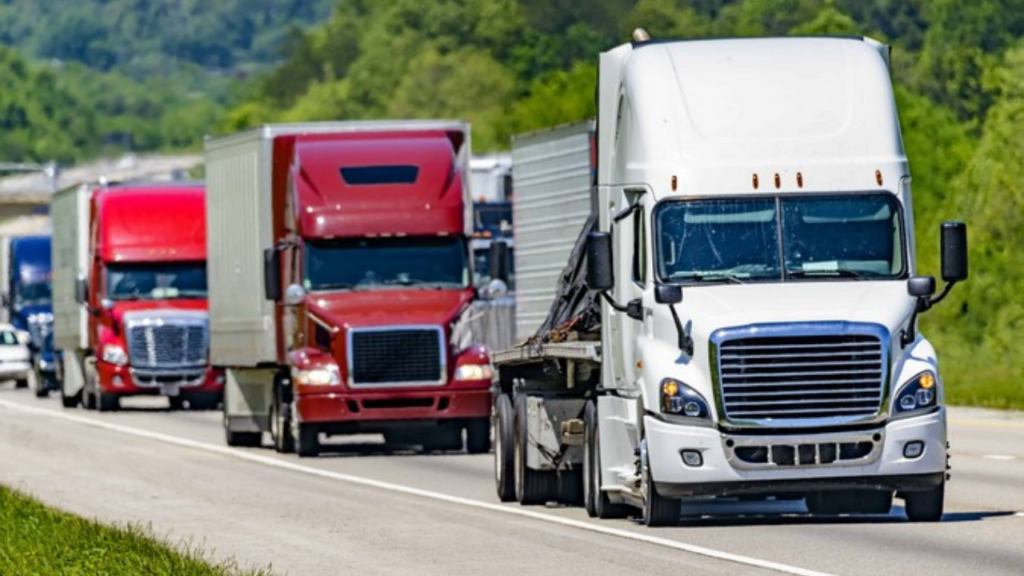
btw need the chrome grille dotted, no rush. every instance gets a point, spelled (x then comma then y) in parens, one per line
(39, 329)
(770, 378)
(396, 356)
(168, 342)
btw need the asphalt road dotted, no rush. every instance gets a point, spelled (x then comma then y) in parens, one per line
(361, 509)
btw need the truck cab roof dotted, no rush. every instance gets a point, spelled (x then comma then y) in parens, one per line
(151, 222)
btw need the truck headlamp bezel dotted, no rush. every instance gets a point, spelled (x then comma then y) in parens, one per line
(680, 400)
(918, 396)
(469, 372)
(319, 376)
(114, 354)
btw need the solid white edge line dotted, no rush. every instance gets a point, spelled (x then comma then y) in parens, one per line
(1001, 457)
(503, 509)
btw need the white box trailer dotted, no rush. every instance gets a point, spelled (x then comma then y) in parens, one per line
(553, 175)
(69, 209)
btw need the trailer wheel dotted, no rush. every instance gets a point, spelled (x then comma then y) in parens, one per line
(925, 506)
(532, 486)
(89, 388)
(478, 436)
(597, 502)
(70, 401)
(504, 445)
(307, 441)
(658, 510)
(281, 426)
(240, 439)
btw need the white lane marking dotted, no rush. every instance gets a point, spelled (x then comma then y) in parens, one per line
(998, 457)
(1019, 514)
(510, 510)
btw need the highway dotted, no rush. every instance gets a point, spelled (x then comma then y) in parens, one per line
(361, 509)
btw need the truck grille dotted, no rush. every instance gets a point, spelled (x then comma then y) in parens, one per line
(168, 343)
(775, 378)
(396, 356)
(39, 330)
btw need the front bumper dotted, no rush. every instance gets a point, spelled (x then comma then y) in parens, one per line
(121, 380)
(363, 409)
(722, 473)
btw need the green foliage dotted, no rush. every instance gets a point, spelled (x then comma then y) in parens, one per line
(39, 541)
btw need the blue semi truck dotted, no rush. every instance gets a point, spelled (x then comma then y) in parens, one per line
(27, 303)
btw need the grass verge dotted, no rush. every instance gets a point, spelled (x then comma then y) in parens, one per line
(36, 540)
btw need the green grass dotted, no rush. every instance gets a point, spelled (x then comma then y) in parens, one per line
(36, 540)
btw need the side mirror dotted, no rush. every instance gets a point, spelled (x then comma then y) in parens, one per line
(81, 290)
(294, 295)
(954, 251)
(499, 258)
(600, 276)
(921, 286)
(272, 274)
(668, 293)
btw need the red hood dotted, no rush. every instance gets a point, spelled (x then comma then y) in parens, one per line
(389, 307)
(191, 304)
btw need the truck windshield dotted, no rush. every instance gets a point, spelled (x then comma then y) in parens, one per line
(373, 262)
(792, 238)
(156, 280)
(33, 294)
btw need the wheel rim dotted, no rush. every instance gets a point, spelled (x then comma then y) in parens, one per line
(499, 454)
(588, 466)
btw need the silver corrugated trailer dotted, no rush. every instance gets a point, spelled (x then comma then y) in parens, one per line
(69, 209)
(552, 171)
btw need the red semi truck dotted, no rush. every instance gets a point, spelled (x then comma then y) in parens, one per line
(129, 282)
(341, 285)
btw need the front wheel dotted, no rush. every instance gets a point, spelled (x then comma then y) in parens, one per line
(281, 427)
(925, 506)
(596, 500)
(503, 447)
(658, 510)
(478, 436)
(307, 440)
(106, 402)
(41, 386)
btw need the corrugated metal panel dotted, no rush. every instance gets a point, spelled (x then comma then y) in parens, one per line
(70, 212)
(551, 175)
(238, 229)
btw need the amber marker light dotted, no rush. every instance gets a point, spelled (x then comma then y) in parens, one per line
(675, 183)
(878, 177)
(755, 181)
(778, 181)
(926, 381)
(799, 180)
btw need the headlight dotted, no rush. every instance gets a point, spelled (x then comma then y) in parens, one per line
(919, 394)
(474, 372)
(114, 354)
(323, 376)
(679, 399)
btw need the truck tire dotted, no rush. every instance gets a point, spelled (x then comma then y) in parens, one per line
(307, 441)
(532, 486)
(504, 476)
(22, 383)
(107, 402)
(478, 436)
(658, 510)
(41, 385)
(281, 427)
(595, 500)
(241, 439)
(925, 506)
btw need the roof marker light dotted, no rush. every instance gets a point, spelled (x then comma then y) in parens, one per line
(755, 181)
(675, 183)
(799, 180)
(778, 181)
(878, 177)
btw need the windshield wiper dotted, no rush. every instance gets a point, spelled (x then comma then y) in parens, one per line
(730, 278)
(839, 273)
(335, 286)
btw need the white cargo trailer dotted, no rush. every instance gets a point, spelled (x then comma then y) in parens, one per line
(70, 209)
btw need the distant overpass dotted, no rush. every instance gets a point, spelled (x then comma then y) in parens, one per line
(29, 193)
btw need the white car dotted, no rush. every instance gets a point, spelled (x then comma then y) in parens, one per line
(15, 358)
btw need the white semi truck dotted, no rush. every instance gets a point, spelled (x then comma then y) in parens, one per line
(736, 316)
